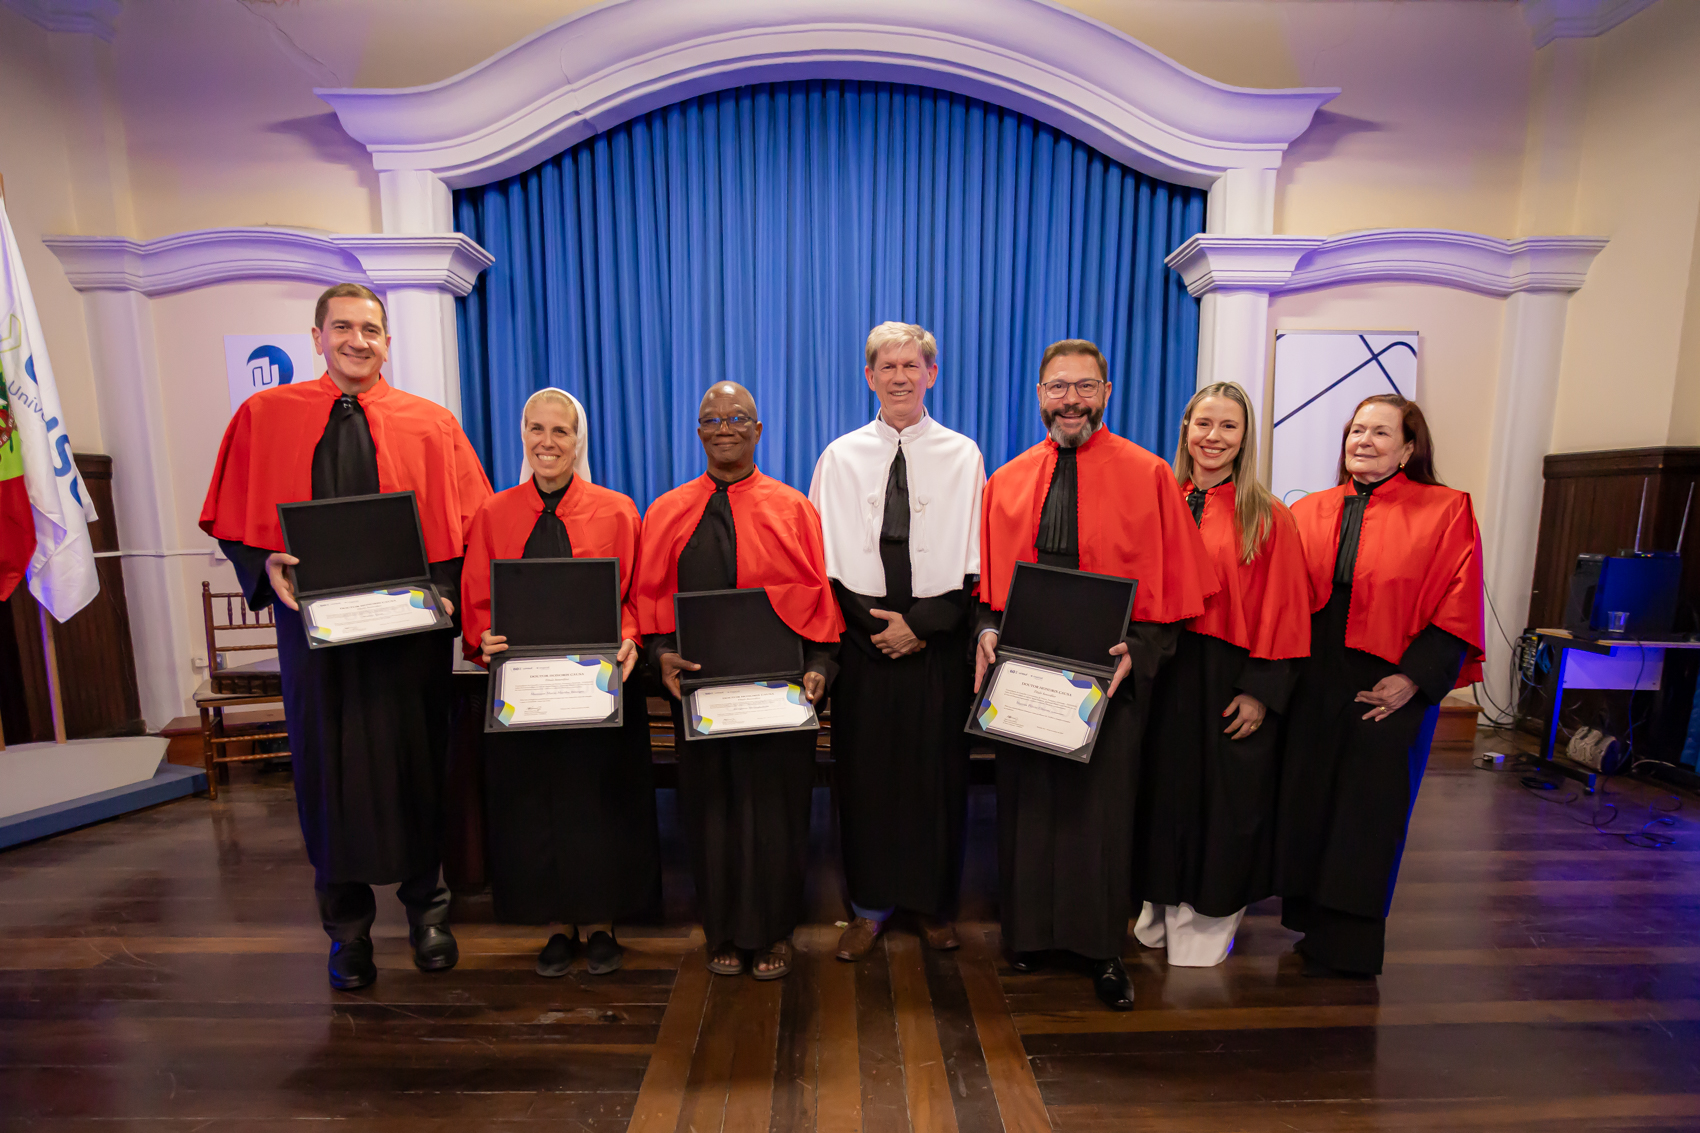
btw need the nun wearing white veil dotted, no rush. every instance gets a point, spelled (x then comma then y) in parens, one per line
(570, 815)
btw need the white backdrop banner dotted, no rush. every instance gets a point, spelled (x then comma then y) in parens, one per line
(255, 362)
(1320, 376)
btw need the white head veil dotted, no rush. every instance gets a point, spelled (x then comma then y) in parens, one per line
(581, 466)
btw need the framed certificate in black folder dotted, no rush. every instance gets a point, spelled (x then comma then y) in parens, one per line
(561, 668)
(363, 574)
(1047, 688)
(751, 680)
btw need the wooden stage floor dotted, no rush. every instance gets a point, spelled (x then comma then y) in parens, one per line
(165, 971)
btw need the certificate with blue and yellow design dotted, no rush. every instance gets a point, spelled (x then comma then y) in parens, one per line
(544, 691)
(750, 706)
(1039, 705)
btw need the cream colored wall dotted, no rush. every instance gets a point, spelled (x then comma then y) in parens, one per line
(1457, 359)
(35, 161)
(1428, 129)
(224, 128)
(1639, 184)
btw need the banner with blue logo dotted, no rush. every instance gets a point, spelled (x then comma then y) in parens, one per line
(255, 362)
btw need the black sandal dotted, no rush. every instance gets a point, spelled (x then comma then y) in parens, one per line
(780, 952)
(726, 962)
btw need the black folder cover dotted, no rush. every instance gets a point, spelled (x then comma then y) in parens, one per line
(555, 608)
(1066, 615)
(357, 544)
(1064, 620)
(736, 637)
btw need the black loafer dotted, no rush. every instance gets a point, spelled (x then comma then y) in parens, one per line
(603, 954)
(1110, 981)
(557, 955)
(434, 948)
(351, 964)
(1025, 962)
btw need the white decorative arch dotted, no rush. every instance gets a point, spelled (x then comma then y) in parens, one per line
(599, 68)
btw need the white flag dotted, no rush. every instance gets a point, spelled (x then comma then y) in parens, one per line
(61, 573)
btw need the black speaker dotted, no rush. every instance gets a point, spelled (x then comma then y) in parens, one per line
(1579, 607)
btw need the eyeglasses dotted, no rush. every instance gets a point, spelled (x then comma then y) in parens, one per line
(1086, 387)
(738, 422)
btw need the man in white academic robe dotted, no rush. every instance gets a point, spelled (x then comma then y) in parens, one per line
(899, 501)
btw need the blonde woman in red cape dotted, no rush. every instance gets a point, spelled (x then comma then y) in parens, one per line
(1395, 564)
(1212, 764)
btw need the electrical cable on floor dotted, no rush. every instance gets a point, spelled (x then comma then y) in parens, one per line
(1544, 785)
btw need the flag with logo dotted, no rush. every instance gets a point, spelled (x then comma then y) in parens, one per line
(44, 506)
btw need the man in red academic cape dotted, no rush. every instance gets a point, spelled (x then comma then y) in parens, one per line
(368, 721)
(1084, 499)
(743, 801)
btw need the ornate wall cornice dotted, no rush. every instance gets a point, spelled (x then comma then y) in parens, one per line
(608, 64)
(186, 260)
(1467, 260)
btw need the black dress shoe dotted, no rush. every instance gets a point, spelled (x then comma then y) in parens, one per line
(351, 964)
(557, 955)
(1025, 962)
(434, 948)
(603, 954)
(1110, 981)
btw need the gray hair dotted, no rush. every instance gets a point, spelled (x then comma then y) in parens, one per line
(897, 334)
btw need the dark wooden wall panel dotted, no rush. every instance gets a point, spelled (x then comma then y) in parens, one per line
(1590, 505)
(97, 664)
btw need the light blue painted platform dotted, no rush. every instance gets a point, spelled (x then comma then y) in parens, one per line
(170, 781)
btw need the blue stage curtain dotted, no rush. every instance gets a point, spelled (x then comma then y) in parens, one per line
(757, 234)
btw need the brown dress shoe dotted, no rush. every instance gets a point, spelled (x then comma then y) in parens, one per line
(940, 934)
(858, 939)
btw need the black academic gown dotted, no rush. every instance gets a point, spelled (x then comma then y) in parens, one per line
(900, 754)
(744, 800)
(368, 722)
(1206, 828)
(570, 814)
(1348, 784)
(1065, 829)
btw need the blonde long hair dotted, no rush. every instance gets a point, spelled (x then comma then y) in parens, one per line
(1254, 506)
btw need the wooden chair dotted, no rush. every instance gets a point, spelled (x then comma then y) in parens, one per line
(234, 685)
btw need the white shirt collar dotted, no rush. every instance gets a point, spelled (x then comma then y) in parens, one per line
(887, 433)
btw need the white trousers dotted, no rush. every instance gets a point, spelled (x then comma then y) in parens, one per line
(1193, 940)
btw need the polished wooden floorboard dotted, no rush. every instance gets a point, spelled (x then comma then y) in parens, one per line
(165, 971)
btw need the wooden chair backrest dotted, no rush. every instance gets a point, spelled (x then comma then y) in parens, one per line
(238, 619)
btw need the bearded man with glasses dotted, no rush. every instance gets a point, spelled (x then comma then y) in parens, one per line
(1084, 499)
(743, 800)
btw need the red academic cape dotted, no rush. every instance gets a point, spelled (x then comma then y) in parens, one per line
(1419, 562)
(779, 549)
(1133, 523)
(266, 459)
(601, 524)
(1264, 605)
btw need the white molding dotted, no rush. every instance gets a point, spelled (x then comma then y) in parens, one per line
(93, 17)
(449, 262)
(1577, 19)
(1467, 260)
(1220, 262)
(598, 68)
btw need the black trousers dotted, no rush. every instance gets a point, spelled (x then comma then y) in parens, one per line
(348, 908)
